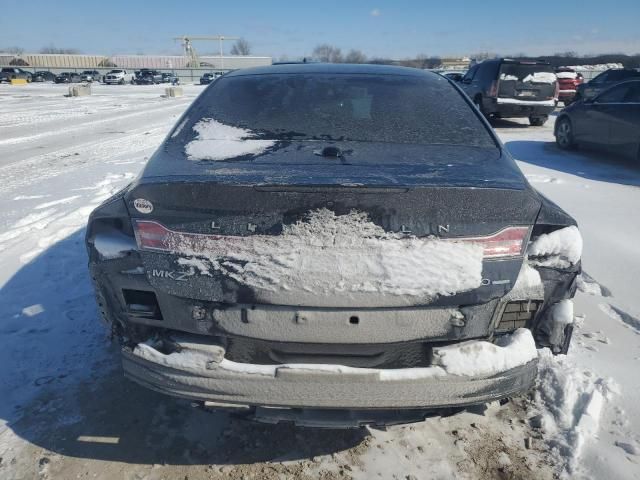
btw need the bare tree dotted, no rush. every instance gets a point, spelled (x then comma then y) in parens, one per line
(355, 56)
(56, 50)
(13, 50)
(241, 47)
(328, 53)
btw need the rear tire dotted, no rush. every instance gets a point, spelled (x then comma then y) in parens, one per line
(538, 121)
(564, 134)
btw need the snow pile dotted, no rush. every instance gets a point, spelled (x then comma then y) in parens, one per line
(504, 76)
(598, 67)
(561, 315)
(528, 285)
(570, 401)
(185, 359)
(558, 249)
(113, 245)
(540, 77)
(217, 141)
(329, 254)
(570, 75)
(479, 358)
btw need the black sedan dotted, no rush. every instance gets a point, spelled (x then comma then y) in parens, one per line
(607, 79)
(43, 76)
(68, 77)
(610, 121)
(346, 244)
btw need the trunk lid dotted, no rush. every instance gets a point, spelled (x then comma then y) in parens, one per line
(293, 228)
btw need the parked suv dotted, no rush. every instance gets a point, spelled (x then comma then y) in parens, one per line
(148, 77)
(12, 73)
(207, 78)
(68, 77)
(118, 77)
(605, 80)
(90, 76)
(171, 78)
(507, 88)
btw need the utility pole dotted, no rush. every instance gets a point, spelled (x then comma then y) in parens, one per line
(190, 51)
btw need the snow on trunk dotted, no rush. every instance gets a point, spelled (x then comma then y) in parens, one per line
(328, 254)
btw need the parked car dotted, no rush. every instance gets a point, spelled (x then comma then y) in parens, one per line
(343, 237)
(171, 78)
(12, 73)
(43, 76)
(68, 77)
(505, 88)
(207, 78)
(148, 77)
(610, 121)
(119, 77)
(455, 76)
(91, 76)
(605, 80)
(568, 81)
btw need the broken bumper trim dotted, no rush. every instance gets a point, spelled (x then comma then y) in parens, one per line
(304, 386)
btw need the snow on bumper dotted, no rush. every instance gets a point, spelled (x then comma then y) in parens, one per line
(463, 374)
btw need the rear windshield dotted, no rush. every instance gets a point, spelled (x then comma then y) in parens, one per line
(341, 107)
(523, 72)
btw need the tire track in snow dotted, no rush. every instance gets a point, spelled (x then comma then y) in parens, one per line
(45, 166)
(92, 124)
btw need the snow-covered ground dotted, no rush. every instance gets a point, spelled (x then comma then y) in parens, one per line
(66, 411)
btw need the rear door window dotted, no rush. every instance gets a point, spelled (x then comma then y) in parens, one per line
(615, 95)
(527, 73)
(633, 94)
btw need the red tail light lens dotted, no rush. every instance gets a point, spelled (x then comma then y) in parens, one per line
(508, 242)
(493, 90)
(155, 236)
(150, 235)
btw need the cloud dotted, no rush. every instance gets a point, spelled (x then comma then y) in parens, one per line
(375, 12)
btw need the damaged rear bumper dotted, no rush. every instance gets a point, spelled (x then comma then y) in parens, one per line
(200, 372)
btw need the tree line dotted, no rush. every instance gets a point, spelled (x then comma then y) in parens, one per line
(332, 54)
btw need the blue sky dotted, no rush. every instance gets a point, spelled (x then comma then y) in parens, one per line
(395, 29)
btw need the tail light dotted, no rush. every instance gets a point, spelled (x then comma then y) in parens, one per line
(150, 235)
(155, 236)
(508, 242)
(493, 90)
